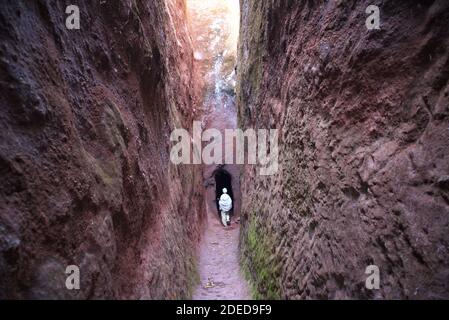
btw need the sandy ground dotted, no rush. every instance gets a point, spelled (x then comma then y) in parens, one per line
(220, 274)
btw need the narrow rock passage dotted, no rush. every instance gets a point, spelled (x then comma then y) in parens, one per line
(214, 27)
(219, 267)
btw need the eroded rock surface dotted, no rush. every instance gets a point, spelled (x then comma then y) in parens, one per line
(364, 143)
(85, 121)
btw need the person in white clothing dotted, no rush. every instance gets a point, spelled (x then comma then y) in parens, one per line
(225, 204)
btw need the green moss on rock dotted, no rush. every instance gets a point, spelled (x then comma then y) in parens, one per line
(259, 263)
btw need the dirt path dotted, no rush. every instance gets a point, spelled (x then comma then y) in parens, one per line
(220, 274)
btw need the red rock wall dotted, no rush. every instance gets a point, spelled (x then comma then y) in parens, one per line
(85, 120)
(364, 140)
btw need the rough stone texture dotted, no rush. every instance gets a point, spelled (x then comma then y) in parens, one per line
(85, 120)
(364, 120)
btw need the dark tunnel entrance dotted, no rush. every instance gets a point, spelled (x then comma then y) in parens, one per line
(223, 179)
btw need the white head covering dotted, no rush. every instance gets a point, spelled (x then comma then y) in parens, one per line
(225, 190)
